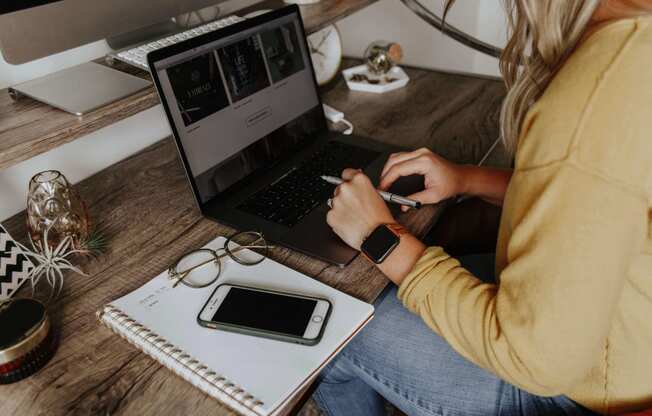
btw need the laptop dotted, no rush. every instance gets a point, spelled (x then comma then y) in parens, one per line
(247, 119)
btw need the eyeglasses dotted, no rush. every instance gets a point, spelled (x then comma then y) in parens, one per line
(202, 267)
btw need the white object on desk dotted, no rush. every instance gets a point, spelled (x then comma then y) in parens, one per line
(336, 116)
(326, 53)
(397, 73)
(253, 375)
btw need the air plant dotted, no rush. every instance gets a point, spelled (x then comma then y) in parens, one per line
(51, 262)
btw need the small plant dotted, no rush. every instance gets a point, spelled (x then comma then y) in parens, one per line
(93, 245)
(52, 262)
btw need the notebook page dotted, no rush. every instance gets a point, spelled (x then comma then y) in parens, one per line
(267, 369)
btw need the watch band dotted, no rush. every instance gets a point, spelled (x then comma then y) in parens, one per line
(397, 228)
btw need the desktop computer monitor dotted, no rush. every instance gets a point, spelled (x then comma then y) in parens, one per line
(32, 29)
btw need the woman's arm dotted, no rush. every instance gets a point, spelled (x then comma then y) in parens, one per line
(489, 184)
(574, 237)
(444, 179)
(569, 260)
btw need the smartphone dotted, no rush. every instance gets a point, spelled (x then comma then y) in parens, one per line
(266, 313)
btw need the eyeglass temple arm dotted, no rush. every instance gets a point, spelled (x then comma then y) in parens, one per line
(451, 31)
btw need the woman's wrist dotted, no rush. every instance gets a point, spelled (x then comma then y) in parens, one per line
(487, 183)
(464, 176)
(402, 259)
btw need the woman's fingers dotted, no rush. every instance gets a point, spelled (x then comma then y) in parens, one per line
(393, 159)
(348, 173)
(400, 157)
(409, 167)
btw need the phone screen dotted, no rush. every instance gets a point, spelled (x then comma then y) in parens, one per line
(266, 311)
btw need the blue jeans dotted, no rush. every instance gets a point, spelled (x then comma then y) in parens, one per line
(399, 358)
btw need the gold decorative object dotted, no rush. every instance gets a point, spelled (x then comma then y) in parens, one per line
(381, 56)
(55, 207)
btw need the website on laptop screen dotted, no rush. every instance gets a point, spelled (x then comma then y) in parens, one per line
(242, 102)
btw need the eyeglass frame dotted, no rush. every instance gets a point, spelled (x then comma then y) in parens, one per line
(180, 276)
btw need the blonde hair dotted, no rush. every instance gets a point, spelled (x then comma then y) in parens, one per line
(542, 35)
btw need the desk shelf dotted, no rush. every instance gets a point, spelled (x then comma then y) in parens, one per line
(29, 128)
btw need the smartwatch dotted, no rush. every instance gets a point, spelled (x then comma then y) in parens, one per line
(382, 241)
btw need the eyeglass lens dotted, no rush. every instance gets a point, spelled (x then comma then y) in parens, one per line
(248, 248)
(201, 268)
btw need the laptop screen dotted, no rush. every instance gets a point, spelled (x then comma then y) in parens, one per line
(241, 103)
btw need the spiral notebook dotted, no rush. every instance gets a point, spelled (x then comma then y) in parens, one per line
(252, 375)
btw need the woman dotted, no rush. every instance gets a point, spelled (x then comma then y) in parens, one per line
(565, 328)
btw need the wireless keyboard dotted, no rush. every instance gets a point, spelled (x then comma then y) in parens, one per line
(137, 56)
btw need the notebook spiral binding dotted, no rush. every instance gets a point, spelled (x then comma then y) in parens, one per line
(238, 396)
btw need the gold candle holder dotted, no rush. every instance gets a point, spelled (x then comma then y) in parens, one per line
(53, 204)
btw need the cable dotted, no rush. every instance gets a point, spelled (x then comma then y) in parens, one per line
(491, 149)
(349, 129)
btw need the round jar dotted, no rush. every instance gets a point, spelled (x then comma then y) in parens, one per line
(26, 340)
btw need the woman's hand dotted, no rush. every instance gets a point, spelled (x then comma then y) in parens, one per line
(357, 209)
(443, 179)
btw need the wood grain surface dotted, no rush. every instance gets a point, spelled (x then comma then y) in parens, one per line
(144, 207)
(29, 128)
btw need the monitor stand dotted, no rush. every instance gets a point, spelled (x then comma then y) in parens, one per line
(89, 86)
(81, 89)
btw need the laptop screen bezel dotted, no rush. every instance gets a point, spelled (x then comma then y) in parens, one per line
(210, 37)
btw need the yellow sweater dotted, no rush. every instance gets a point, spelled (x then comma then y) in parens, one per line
(572, 313)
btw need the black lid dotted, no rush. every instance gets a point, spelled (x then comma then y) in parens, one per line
(19, 318)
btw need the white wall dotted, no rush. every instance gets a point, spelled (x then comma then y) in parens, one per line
(423, 45)
(387, 19)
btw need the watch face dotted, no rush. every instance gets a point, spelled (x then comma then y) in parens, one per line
(380, 244)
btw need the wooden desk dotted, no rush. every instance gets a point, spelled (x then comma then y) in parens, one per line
(145, 208)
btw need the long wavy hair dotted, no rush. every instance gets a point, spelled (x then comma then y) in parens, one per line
(542, 35)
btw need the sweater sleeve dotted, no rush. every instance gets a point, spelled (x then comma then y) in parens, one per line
(544, 326)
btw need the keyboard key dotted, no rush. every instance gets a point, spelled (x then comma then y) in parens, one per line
(138, 56)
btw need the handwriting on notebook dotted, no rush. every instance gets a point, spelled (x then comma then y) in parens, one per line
(153, 297)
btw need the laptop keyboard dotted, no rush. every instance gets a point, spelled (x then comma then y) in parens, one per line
(295, 195)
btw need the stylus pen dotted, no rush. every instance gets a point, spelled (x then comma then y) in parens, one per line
(387, 196)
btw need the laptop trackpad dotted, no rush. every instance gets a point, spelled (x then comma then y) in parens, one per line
(313, 235)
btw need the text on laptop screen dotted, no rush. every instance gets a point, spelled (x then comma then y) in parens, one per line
(241, 103)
